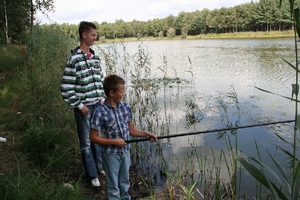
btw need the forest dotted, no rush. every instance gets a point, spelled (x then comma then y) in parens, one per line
(17, 17)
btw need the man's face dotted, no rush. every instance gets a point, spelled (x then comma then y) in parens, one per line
(89, 37)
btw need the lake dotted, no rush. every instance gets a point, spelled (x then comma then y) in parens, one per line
(214, 86)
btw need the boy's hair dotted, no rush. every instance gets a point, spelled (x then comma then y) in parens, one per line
(84, 27)
(111, 82)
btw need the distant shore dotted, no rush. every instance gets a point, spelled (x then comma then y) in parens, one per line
(269, 34)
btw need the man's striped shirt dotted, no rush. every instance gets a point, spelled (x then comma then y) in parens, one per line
(82, 81)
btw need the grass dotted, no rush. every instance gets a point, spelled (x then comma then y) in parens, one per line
(11, 61)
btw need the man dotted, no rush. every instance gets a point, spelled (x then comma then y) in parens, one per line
(82, 88)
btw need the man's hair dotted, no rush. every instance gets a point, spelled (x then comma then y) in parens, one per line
(111, 82)
(85, 27)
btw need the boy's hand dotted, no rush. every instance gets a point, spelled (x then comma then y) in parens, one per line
(119, 142)
(153, 137)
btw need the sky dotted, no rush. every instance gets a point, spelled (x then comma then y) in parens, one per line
(74, 11)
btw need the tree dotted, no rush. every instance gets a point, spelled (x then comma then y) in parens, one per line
(44, 6)
(17, 15)
(183, 23)
(120, 28)
(171, 33)
(198, 23)
(156, 27)
(211, 21)
(5, 16)
(168, 22)
(14, 19)
(245, 17)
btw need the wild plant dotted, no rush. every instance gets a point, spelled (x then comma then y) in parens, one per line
(41, 76)
(110, 57)
(289, 186)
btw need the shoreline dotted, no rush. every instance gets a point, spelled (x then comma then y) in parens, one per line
(236, 35)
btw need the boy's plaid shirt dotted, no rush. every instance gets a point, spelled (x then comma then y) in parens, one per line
(114, 124)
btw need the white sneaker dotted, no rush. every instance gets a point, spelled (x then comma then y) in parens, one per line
(95, 182)
(102, 172)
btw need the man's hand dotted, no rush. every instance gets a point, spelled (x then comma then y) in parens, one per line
(102, 101)
(85, 110)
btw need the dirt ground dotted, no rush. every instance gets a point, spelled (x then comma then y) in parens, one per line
(137, 191)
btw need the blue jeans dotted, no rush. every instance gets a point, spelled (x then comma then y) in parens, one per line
(116, 167)
(90, 152)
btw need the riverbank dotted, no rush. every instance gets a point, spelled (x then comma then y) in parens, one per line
(236, 35)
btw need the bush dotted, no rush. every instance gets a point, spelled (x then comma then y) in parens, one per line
(45, 146)
(171, 33)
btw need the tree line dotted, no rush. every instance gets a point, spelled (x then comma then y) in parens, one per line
(264, 15)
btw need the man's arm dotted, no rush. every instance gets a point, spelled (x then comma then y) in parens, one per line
(68, 83)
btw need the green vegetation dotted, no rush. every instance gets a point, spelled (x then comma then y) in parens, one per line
(44, 154)
(261, 16)
(17, 16)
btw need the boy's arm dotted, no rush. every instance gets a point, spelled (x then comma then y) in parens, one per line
(95, 138)
(135, 132)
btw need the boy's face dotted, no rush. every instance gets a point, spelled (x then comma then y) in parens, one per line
(118, 95)
(89, 37)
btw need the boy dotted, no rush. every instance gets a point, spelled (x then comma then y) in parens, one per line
(114, 118)
(82, 88)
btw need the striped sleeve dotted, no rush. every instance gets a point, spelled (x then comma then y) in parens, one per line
(68, 85)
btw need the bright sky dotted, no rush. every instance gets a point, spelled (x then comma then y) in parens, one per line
(74, 11)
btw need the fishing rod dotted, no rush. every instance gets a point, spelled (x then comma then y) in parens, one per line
(209, 131)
